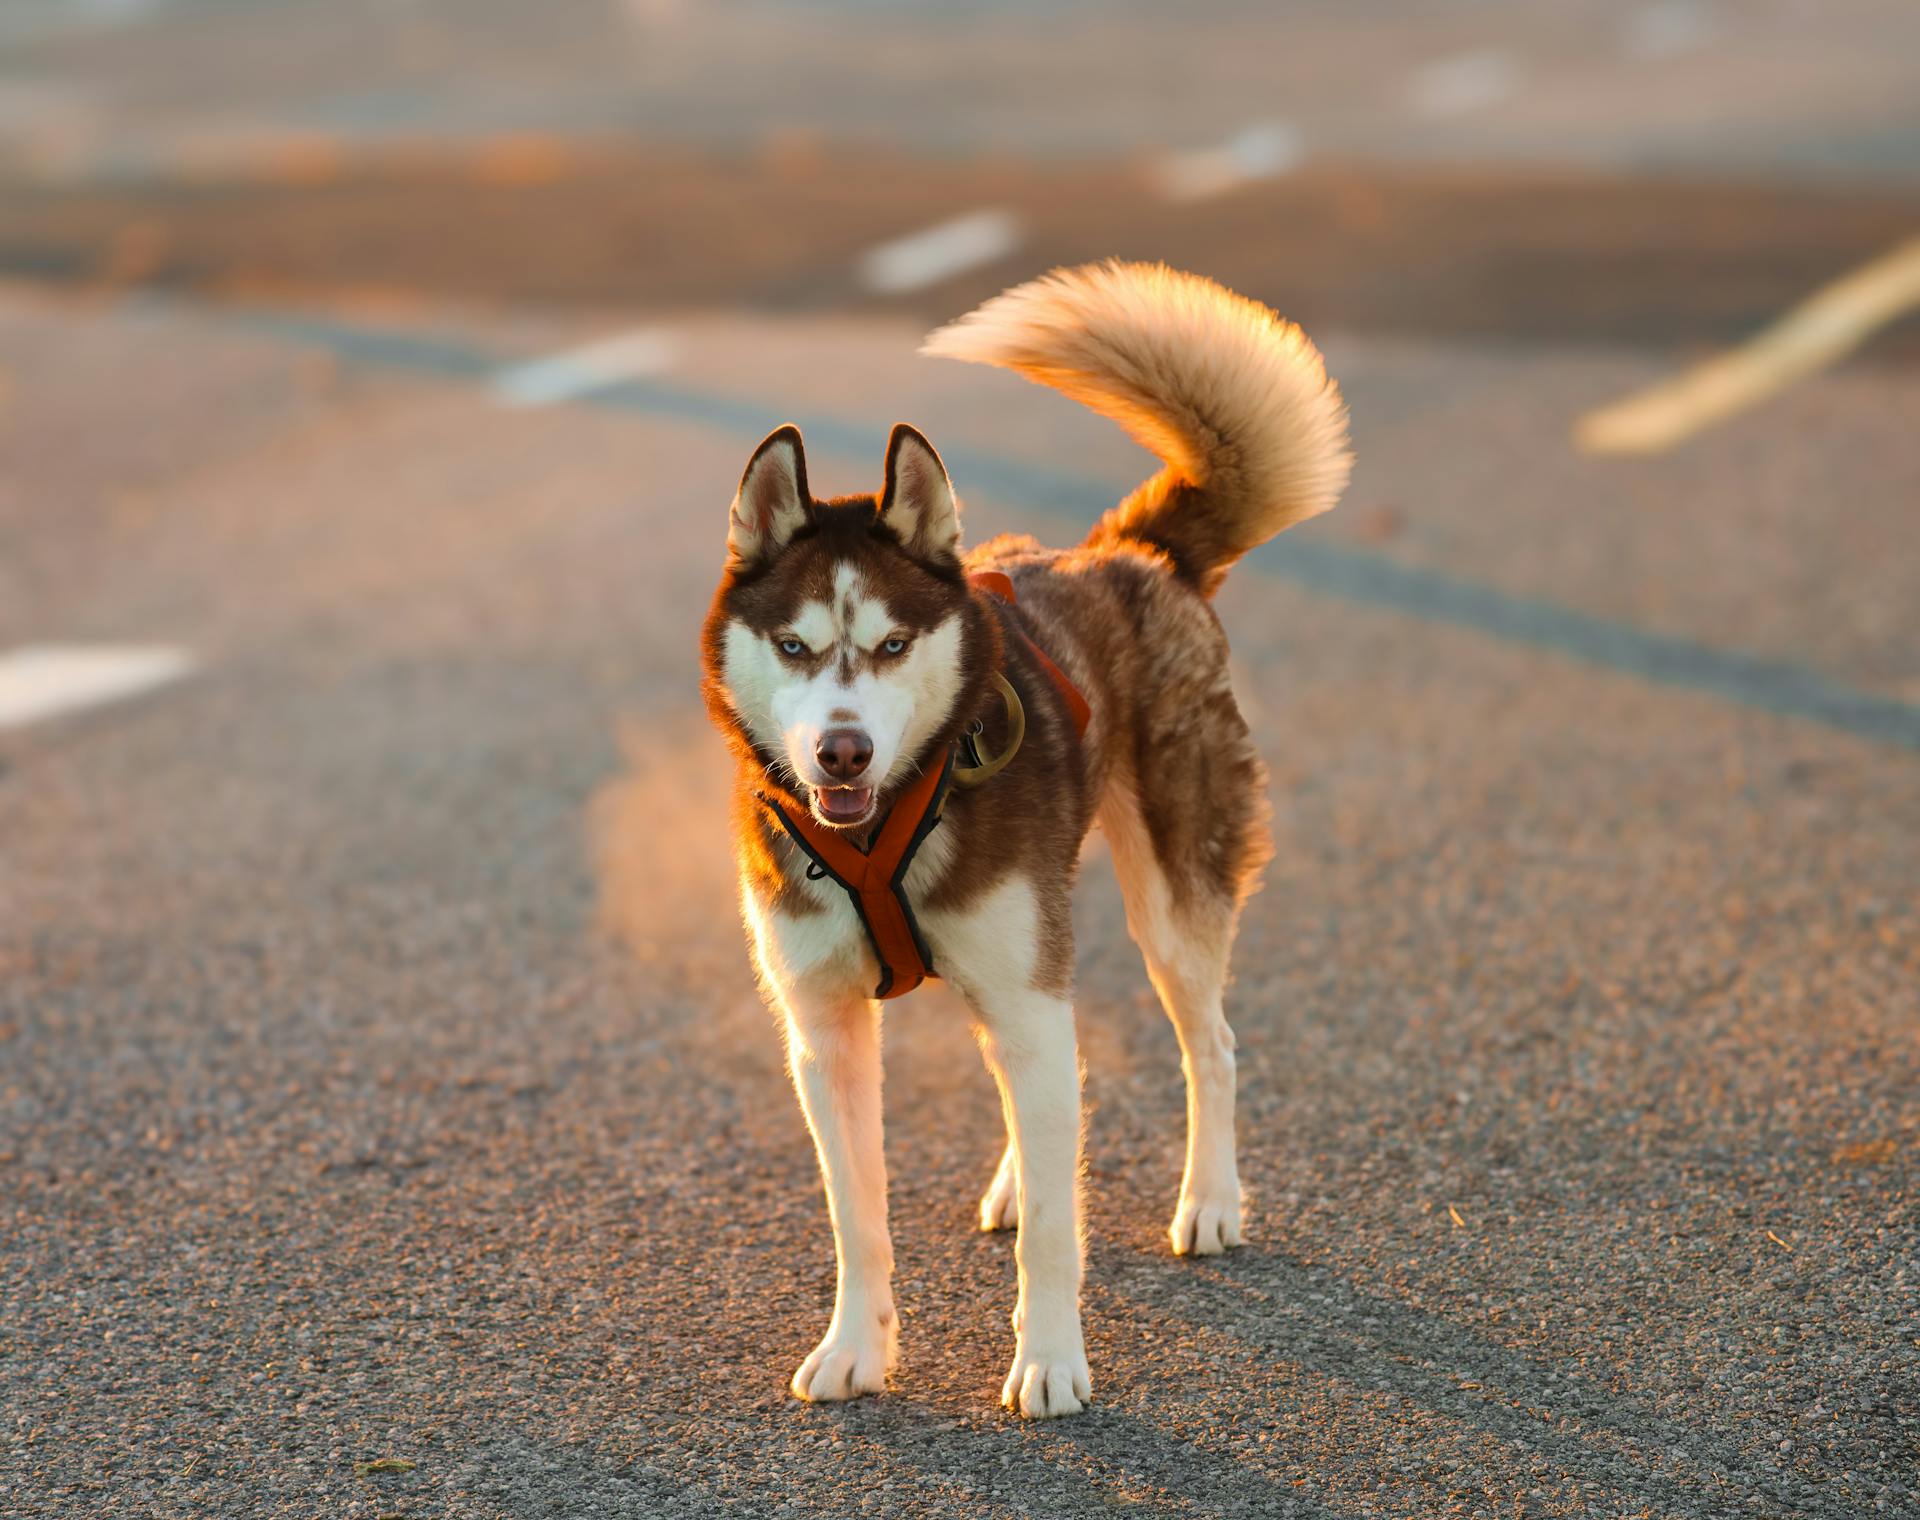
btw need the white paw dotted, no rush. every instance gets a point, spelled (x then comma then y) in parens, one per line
(1000, 1204)
(1045, 1385)
(1206, 1223)
(845, 1365)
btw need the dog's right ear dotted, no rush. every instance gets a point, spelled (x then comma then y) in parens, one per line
(772, 503)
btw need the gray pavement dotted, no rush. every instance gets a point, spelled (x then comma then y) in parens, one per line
(383, 1078)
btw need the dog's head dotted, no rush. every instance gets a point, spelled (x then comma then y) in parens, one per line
(844, 647)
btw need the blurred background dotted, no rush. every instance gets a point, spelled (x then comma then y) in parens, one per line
(381, 1077)
(1662, 173)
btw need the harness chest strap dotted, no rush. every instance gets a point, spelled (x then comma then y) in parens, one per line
(875, 878)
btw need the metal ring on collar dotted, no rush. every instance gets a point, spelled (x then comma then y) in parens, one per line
(991, 765)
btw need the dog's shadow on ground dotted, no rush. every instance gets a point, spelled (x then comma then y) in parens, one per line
(1303, 1343)
(1277, 1310)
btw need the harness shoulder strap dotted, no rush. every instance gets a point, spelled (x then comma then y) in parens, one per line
(999, 583)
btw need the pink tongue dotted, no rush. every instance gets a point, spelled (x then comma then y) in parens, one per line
(848, 802)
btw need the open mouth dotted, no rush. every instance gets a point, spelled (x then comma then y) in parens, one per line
(843, 804)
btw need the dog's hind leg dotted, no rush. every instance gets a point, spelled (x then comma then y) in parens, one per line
(1000, 1204)
(1182, 886)
(833, 1048)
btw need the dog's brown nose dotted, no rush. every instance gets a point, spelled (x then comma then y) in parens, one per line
(843, 753)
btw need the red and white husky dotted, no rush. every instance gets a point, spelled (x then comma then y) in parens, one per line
(863, 666)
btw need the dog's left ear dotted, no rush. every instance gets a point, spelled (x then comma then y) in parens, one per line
(918, 502)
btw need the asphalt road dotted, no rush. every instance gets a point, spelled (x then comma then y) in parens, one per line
(381, 1076)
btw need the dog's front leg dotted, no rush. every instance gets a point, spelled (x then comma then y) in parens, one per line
(833, 1047)
(1027, 1038)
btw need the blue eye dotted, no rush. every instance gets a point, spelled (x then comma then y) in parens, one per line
(792, 648)
(895, 646)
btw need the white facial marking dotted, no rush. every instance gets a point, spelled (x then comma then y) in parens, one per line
(815, 627)
(899, 702)
(872, 623)
(930, 673)
(752, 671)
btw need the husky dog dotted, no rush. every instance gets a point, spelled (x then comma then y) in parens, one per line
(860, 663)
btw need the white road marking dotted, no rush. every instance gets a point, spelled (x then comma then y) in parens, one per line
(924, 258)
(1463, 82)
(1669, 28)
(1264, 150)
(1826, 326)
(44, 680)
(581, 371)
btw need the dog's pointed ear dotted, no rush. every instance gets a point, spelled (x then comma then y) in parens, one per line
(772, 503)
(918, 503)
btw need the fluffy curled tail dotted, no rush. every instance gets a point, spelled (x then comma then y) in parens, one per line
(1233, 399)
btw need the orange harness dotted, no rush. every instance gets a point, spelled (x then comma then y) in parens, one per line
(875, 878)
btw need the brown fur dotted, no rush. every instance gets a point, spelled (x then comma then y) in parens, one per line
(1150, 656)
